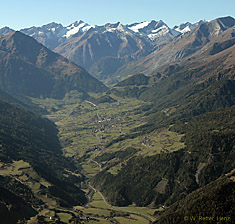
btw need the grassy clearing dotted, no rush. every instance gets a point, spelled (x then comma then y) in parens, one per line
(90, 169)
(97, 197)
(15, 168)
(64, 217)
(132, 219)
(99, 221)
(92, 211)
(159, 141)
(142, 210)
(96, 211)
(115, 169)
(23, 172)
(101, 206)
(99, 214)
(98, 202)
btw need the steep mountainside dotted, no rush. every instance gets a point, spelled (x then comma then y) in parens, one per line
(213, 202)
(182, 47)
(104, 49)
(198, 83)
(31, 142)
(94, 49)
(136, 80)
(16, 201)
(53, 34)
(157, 31)
(212, 64)
(187, 27)
(163, 179)
(6, 30)
(29, 68)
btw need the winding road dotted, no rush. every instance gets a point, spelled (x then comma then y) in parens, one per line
(121, 209)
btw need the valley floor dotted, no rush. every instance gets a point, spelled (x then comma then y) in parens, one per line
(85, 131)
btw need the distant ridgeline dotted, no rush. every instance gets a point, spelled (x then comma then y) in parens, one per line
(28, 137)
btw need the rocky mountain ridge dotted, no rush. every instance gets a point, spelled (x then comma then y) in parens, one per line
(102, 50)
(59, 33)
(189, 46)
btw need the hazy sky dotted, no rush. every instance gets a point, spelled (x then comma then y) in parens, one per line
(19, 14)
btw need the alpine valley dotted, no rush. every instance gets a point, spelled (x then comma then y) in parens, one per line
(118, 123)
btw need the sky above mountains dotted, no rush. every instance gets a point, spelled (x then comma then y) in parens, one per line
(26, 13)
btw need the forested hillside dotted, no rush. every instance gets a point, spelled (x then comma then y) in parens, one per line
(25, 136)
(214, 203)
(166, 178)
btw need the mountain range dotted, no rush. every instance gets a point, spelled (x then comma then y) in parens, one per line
(186, 47)
(53, 34)
(102, 50)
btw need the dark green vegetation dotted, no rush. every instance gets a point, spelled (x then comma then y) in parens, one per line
(28, 137)
(122, 155)
(137, 80)
(29, 68)
(166, 178)
(214, 203)
(103, 99)
(133, 86)
(16, 201)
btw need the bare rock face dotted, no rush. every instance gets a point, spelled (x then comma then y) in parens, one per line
(6, 30)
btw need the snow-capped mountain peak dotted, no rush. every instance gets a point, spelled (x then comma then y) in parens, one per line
(151, 29)
(77, 23)
(76, 27)
(53, 34)
(186, 27)
(137, 27)
(146, 26)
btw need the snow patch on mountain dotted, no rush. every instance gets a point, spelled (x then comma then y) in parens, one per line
(152, 29)
(187, 27)
(137, 27)
(54, 34)
(78, 26)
